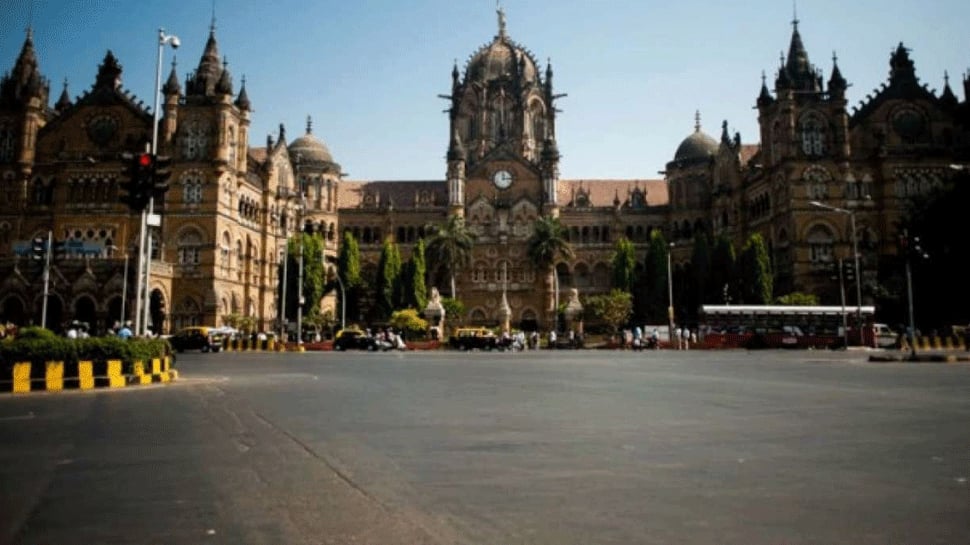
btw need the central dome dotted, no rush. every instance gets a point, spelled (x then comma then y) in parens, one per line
(311, 151)
(699, 146)
(501, 59)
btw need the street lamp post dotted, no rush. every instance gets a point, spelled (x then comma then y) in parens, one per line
(286, 258)
(299, 283)
(670, 296)
(144, 251)
(855, 258)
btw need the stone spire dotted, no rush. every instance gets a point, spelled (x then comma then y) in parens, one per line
(64, 102)
(25, 81)
(209, 71)
(242, 102)
(172, 86)
(837, 84)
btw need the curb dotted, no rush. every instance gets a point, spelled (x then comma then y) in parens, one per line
(55, 376)
(919, 358)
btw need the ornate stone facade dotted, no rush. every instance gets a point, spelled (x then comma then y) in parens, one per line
(232, 205)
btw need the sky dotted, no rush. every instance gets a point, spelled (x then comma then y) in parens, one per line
(369, 72)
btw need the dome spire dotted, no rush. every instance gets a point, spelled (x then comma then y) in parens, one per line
(309, 125)
(501, 19)
(697, 121)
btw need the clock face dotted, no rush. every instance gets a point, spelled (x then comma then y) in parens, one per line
(502, 179)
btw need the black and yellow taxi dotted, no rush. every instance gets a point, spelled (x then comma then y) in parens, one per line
(204, 338)
(473, 338)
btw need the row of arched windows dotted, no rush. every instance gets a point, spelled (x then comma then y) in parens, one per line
(588, 234)
(759, 207)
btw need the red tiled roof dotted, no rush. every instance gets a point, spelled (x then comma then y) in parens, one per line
(748, 152)
(405, 194)
(604, 192)
(258, 154)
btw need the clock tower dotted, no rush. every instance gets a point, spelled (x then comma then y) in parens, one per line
(503, 175)
(502, 129)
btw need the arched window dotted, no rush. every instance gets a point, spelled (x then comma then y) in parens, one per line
(813, 135)
(192, 188)
(817, 181)
(232, 146)
(820, 245)
(8, 143)
(189, 248)
(195, 140)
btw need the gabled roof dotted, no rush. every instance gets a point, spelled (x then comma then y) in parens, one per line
(106, 91)
(903, 85)
(604, 193)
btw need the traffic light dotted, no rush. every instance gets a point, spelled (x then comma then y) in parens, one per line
(38, 247)
(848, 269)
(161, 172)
(136, 187)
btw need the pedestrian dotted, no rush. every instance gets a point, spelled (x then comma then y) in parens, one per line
(125, 332)
(685, 338)
(678, 335)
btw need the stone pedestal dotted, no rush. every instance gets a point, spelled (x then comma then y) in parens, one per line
(434, 313)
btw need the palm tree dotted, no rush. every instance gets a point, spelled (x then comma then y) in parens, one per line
(450, 247)
(546, 246)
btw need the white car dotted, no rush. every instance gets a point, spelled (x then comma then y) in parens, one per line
(884, 336)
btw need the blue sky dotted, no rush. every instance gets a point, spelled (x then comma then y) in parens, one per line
(369, 71)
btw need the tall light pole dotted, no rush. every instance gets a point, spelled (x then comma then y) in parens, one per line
(670, 296)
(144, 250)
(855, 257)
(299, 283)
(284, 334)
(343, 292)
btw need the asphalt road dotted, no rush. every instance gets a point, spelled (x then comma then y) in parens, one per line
(564, 447)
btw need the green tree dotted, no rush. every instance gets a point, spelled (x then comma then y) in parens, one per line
(410, 321)
(450, 247)
(546, 246)
(314, 280)
(348, 267)
(388, 285)
(416, 293)
(722, 285)
(454, 310)
(613, 309)
(701, 270)
(797, 299)
(757, 283)
(656, 278)
(624, 265)
(938, 273)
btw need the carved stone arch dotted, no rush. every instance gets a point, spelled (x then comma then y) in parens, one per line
(478, 316)
(84, 308)
(13, 309)
(783, 239)
(582, 275)
(86, 283)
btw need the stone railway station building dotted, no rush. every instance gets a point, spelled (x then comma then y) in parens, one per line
(232, 204)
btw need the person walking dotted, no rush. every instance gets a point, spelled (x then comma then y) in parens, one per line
(685, 338)
(125, 332)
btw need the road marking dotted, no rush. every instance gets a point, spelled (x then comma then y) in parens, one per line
(28, 416)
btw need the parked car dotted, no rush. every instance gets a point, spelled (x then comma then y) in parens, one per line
(885, 337)
(206, 339)
(471, 338)
(354, 339)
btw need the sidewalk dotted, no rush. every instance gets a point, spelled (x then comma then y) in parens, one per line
(921, 356)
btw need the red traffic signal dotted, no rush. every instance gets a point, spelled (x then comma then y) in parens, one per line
(145, 160)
